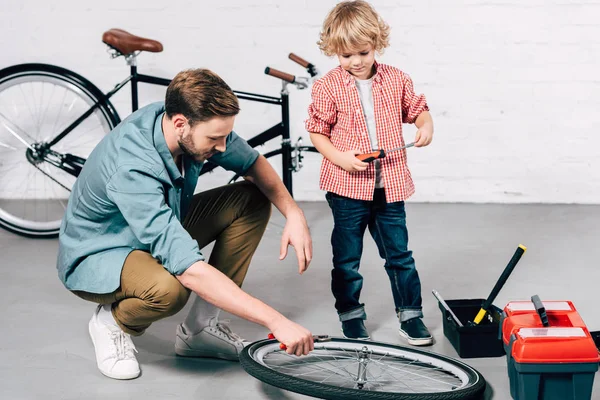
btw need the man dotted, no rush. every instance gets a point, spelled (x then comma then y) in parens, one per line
(131, 236)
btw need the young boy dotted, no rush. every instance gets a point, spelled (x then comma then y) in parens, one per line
(357, 107)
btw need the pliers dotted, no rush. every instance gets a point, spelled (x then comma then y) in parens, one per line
(316, 339)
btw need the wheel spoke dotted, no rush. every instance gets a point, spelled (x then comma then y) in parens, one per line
(12, 128)
(408, 371)
(313, 364)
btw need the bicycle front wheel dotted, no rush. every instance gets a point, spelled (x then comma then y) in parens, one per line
(37, 102)
(346, 369)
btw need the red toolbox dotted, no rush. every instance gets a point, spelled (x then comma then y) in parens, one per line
(550, 353)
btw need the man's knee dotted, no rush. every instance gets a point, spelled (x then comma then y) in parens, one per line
(168, 296)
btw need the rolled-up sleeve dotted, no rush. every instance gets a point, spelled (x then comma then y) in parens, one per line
(412, 104)
(140, 197)
(238, 156)
(321, 111)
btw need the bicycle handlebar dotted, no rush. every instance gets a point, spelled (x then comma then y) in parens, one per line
(312, 70)
(299, 60)
(281, 75)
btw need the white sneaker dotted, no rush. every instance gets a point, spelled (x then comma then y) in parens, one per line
(216, 341)
(114, 350)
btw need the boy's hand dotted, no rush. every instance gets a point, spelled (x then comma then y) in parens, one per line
(348, 161)
(424, 135)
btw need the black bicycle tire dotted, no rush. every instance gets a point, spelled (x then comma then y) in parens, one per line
(323, 391)
(91, 90)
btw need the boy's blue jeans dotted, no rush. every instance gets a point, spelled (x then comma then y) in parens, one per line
(387, 225)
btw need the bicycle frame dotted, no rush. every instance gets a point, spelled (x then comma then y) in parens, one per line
(73, 164)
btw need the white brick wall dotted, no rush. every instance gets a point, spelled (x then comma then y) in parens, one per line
(513, 85)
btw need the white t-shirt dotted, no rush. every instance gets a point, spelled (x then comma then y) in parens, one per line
(365, 91)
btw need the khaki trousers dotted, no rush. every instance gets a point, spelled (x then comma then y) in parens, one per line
(234, 216)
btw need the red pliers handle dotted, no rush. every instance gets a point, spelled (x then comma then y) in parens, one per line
(368, 157)
(281, 345)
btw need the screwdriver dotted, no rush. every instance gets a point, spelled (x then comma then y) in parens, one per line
(377, 154)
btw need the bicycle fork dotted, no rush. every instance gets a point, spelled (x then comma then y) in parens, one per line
(286, 143)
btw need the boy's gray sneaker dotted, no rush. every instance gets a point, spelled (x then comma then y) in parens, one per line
(215, 341)
(415, 331)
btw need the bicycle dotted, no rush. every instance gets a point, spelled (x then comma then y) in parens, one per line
(59, 130)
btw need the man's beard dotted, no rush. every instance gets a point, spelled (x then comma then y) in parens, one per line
(187, 149)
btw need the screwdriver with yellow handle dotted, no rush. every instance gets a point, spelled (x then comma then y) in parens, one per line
(505, 274)
(377, 154)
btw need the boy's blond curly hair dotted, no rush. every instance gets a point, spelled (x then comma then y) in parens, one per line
(350, 25)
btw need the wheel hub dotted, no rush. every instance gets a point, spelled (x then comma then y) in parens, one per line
(363, 360)
(35, 153)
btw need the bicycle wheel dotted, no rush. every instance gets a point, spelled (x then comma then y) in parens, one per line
(37, 102)
(346, 369)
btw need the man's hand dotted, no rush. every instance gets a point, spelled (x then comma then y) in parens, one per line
(348, 161)
(424, 135)
(297, 339)
(296, 233)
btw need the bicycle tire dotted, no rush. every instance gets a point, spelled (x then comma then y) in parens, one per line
(75, 87)
(330, 392)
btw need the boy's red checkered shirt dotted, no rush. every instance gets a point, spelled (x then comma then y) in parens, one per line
(336, 112)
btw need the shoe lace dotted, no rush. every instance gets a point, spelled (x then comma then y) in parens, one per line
(226, 330)
(123, 345)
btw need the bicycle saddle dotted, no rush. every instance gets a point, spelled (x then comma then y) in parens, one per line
(126, 43)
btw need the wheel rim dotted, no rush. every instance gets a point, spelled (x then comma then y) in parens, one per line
(36, 106)
(389, 369)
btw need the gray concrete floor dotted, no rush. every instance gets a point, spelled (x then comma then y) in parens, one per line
(460, 249)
